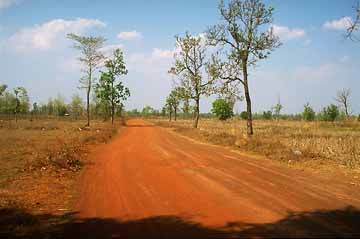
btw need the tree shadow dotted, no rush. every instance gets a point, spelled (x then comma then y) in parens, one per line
(17, 223)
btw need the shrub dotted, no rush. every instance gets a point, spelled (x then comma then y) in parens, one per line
(222, 109)
(243, 115)
(267, 115)
(329, 113)
(308, 113)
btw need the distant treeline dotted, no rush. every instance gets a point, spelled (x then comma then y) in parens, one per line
(328, 113)
(15, 102)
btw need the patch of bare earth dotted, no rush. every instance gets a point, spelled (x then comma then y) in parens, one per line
(40, 161)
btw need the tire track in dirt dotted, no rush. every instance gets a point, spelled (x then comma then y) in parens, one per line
(148, 172)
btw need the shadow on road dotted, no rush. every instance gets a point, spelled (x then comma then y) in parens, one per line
(16, 223)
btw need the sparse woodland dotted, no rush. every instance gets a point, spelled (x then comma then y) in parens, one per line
(217, 63)
(44, 145)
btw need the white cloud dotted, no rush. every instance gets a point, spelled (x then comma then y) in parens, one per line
(132, 35)
(158, 61)
(286, 33)
(340, 24)
(51, 34)
(7, 3)
(108, 49)
(160, 53)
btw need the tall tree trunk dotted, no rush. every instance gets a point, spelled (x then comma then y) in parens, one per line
(88, 97)
(249, 128)
(197, 112)
(88, 106)
(175, 111)
(170, 116)
(112, 115)
(112, 105)
(346, 109)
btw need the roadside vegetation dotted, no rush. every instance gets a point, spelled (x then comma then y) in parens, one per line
(40, 161)
(330, 137)
(218, 62)
(44, 145)
(308, 144)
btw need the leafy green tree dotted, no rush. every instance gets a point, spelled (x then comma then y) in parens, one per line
(108, 88)
(7, 102)
(229, 92)
(308, 113)
(277, 109)
(2, 98)
(21, 101)
(2, 89)
(76, 106)
(134, 112)
(59, 106)
(186, 107)
(100, 107)
(50, 107)
(243, 115)
(147, 111)
(222, 109)
(329, 113)
(169, 107)
(35, 108)
(245, 38)
(267, 115)
(91, 59)
(190, 63)
(174, 101)
(163, 111)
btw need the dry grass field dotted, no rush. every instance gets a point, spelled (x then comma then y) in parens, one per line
(40, 161)
(298, 143)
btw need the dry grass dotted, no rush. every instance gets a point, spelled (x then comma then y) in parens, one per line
(310, 144)
(40, 160)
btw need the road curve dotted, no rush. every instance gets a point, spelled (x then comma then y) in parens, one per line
(151, 183)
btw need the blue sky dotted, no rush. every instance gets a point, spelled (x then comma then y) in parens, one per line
(314, 62)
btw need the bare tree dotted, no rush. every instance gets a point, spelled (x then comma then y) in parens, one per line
(91, 59)
(342, 98)
(190, 65)
(354, 25)
(245, 40)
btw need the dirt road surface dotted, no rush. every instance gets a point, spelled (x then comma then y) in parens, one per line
(151, 183)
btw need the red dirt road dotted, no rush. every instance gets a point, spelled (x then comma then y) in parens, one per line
(151, 183)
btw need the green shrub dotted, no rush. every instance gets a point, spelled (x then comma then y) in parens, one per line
(243, 115)
(222, 109)
(329, 113)
(308, 113)
(267, 115)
